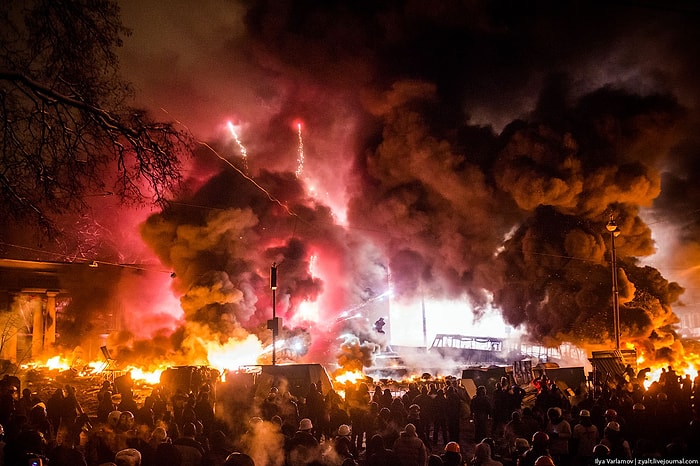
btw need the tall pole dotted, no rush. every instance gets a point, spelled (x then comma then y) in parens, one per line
(273, 285)
(425, 327)
(614, 232)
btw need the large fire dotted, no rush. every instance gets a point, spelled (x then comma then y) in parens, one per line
(60, 363)
(467, 194)
(688, 368)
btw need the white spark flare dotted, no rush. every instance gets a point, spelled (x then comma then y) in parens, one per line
(244, 151)
(300, 153)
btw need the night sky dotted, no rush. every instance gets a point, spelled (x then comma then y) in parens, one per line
(462, 151)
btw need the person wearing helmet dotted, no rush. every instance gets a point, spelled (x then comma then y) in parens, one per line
(452, 456)
(613, 439)
(415, 417)
(343, 444)
(113, 419)
(612, 415)
(640, 425)
(128, 457)
(585, 437)
(302, 447)
(239, 459)
(559, 431)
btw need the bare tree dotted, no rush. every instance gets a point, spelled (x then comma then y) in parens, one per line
(67, 130)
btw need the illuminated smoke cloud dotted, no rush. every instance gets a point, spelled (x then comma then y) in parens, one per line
(452, 150)
(465, 174)
(356, 355)
(222, 242)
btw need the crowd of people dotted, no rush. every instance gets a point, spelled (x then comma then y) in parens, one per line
(427, 424)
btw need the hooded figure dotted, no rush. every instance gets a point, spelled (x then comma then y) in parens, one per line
(409, 448)
(482, 456)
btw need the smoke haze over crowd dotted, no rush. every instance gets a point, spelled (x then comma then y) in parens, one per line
(466, 151)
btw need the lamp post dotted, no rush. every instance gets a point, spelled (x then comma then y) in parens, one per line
(614, 232)
(273, 323)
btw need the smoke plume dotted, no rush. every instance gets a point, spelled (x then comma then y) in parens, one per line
(451, 152)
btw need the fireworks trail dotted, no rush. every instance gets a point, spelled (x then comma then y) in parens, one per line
(300, 153)
(244, 151)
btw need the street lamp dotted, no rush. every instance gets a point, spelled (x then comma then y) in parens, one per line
(614, 232)
(274, 323)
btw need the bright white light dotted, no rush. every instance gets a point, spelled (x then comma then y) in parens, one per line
(452, 317)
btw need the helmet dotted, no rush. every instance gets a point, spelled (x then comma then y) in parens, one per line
(452, 446)
(113, 418)
(344, 430)
(544, 461)
(239, 459)
(638, 407)
(610, 413)
(306, 424)
(128, 456)
(614, 426)
(159, 434)
(126, 420)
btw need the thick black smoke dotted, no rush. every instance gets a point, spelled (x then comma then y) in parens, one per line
(465, 150)
(470, 156)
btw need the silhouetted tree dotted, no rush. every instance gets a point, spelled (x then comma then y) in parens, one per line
(67, 130)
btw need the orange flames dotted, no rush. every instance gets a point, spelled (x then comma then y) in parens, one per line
(62, 364)
(349, 376)
(689, 367)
